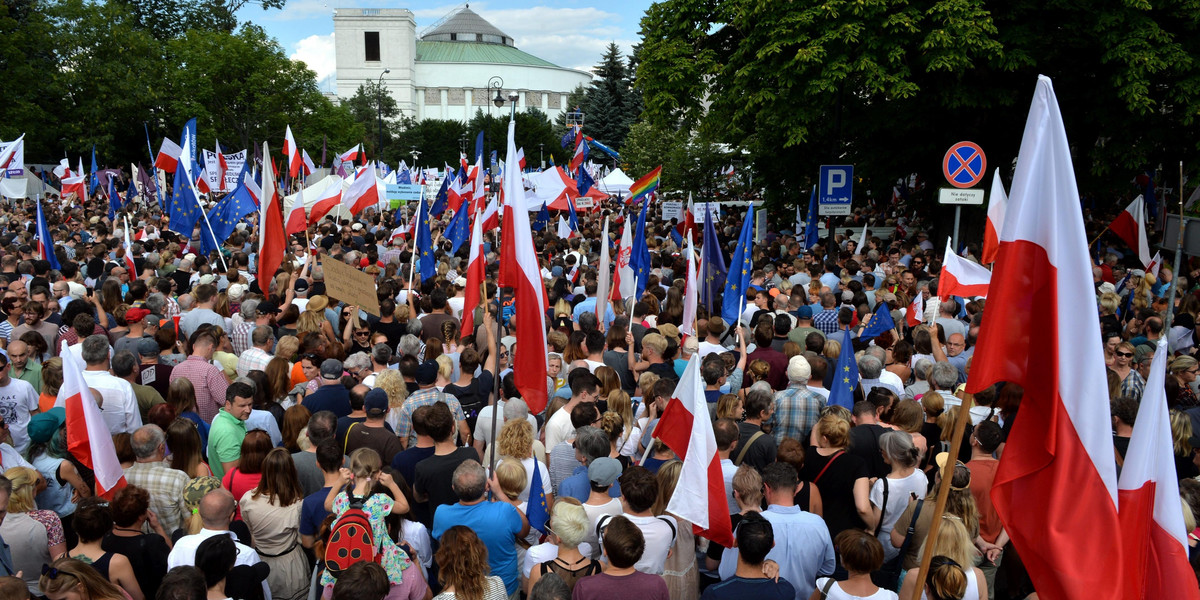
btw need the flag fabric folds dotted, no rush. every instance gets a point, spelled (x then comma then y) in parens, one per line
(185, 206)
(88, 437)
(1130, 226)
(45, 244)
(363, 192)
(740, 267)
(330, 197)
(997, 206)
(640, 257)
(438, 206)
(541, 220)
(272, 240)
(1056, 485)
(427, 265)
(645, 186)
(475, 276)
(539, 509)
(961, 277)
(603, 272)
(168, 156)
(880, 322)
(291, 152)
(623, 272)
(230, 211)
(810, 224)
(916, 311)
(457, 230)
(845, 376)
(688, 326)
(685, 428)
(712, 265)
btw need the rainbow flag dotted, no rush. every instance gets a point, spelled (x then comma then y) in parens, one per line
(645, 186)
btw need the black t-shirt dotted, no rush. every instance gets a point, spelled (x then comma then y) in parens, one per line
(148, 555)
(394, 331)
(664, 370)
(1121, 443)
(474, 396)
(432, 479)
(837, 487)
(405, 462)
(182, 281)
(864, 443)
(761, 453)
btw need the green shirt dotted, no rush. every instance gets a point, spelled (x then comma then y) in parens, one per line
(799, 334)
(146, 397)
(32, 374)
(224, 441)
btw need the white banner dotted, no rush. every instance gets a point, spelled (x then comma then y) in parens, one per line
(583, 202)
(714, 209)
(672, 209)
(233, 162)
(17, 168)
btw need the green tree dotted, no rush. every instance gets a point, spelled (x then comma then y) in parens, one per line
(370, 101)
(28, 64)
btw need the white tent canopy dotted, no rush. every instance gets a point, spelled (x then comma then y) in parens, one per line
(614, 183)
(313, 192)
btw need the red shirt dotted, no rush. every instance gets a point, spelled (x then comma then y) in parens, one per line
(983, 473)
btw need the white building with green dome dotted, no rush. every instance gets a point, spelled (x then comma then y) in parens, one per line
(444, 73)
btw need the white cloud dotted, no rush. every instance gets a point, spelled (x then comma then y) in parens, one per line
(570, 37)
(317, 51)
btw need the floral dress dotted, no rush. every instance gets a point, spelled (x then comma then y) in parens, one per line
(394, 559)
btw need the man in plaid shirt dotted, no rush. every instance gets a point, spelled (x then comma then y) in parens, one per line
(428, 396)
(797, 408)
(826, 319)
(208, 380)
(257, 357)
(150, 473)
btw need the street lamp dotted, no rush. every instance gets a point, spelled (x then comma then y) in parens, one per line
(379, 105)
(512, 98)
(496, 83)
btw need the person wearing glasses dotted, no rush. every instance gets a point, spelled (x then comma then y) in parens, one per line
(1185, 369)
(1132, 383)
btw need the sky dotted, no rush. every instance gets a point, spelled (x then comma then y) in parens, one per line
(572, 33)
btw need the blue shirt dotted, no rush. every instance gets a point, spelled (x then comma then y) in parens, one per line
(802, 548)
(589, 305)
(313, 512)
(579, 487)
(737, 588)
(497, 524)
(334, 398)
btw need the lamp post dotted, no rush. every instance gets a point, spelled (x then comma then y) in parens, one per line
(379, 111)
(496, 83)
(541, 160)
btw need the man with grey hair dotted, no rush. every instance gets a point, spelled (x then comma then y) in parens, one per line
(885, 376)
(869, 369)
(410, 344)
(120, 408)
(150, 473)
(797, 408)
(947, 318)
(498, 523)
(358, 365)
(256, 358)
(125, 366)
(381, 357)
(590, 443)
(920, 384)
(240, 336)
(942, 379)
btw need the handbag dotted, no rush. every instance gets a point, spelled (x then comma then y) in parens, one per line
(888, 575)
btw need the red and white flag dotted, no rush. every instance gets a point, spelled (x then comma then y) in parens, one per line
(1130, 226)
(329, 199)
(307, 161)
(291, 152)
(916, 311)
(623, 280)
(685, 428)
(8, 158)
(691, 293)
(458, 193)
(478, 187)
(577, 158)
(168, 156)
(604, 274)
(272, 244)
(475, 274)
(961, 277)
(63, 169)
(350, 155)
(363, 192)
(130, 266)
(521, 158)
(297, 219)
(1155, 265)
(491, 215)
(997, 207)
(222, 167)
(88, 437)
(1056, 485)
(520, 261)
(1152, 526)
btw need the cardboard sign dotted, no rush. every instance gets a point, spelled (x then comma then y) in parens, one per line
(350, 285)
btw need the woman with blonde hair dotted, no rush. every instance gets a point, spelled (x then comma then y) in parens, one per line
(1181, 435)
(515, 441)
(758, 370)
(568, 529)
(831, 351)
(1132, 383)
(1185, 369)
(279, 376)
(313, 319)
(679, 570)
(614, 427)
(609, 381)
(953, 543)
(960, 504)
(286, 347)
(29, 554)
(730, 406)
(445, 371)
(71, 579)
(392, 382)
(842, 476)
(619, 402)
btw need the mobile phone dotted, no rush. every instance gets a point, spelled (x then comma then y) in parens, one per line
(89, 292)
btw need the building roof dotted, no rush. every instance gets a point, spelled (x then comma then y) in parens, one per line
(466, 24)
(459, 52)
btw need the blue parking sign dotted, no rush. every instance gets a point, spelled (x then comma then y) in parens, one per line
(835, 190)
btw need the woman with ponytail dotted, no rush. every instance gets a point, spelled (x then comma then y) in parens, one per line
(951, 572)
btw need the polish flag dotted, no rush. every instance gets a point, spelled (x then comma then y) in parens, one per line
(307, 161)
(604, 275)
(457, 193)
(1151, 522)
(222, 167)
(478, 187)
(995, 219)
(291, 152)
(691, 298)
(63, 169)
(130, 266)
(521, 157)
(88, 438)
(529, 293)
(1056, 486)
(577, 158)
(961, 277)
(168, 156)
(272, 239)
(1155, 265)
(362, 193)
(623, 275)
(9, 156)
(491, 216)
(350, 155)
(688, 223)
(685, 428)
(915, 312)
(329, 200)
(564, 229)
(475, 274)
(297, 220)
(74, 185)
(1130, 226)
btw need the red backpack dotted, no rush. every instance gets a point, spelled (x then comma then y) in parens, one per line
(351, 540)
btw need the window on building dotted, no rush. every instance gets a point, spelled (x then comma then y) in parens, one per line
(454, 37)
(371, 41)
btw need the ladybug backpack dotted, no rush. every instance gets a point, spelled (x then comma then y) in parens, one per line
(351, 540)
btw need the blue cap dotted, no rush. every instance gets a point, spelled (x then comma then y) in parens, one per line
(804, 312)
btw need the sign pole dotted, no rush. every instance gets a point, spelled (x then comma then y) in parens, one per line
(957, 219)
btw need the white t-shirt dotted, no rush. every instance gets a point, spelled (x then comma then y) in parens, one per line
(900, 491)
(120, 407)
(456, 304)
(705, 348)
(594, 513)
(558, 428)
(17, 400)
(659, 533)
(727, 471)
(836, 593)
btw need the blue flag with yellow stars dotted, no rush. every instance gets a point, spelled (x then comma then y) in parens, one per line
(881, 322)
(541, 220)
(458, 229)
(810, 223)
(740, 267)
(225, 216)
(639, 259)
(428, 265)
(538, 511)
(712, 265)
(845, 376)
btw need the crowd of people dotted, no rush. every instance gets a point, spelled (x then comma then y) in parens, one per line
(280, 443)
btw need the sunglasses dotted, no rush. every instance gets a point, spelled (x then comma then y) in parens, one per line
(49, 571)
(1124, 354)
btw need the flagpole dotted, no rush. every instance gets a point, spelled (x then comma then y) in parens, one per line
(413, 262)
(1095, 239)
(1178, 254)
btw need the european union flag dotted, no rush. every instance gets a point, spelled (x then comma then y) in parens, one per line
(712, 269)
(541, 220)
(185, 207)
(114, 201)
(439, 202)
(45, 241)
(479, 147)
(584, 181)
(639, 258)
(572, 220)
(881, 322)
(740, 267)
(458, 229)
(845, 377)
(404, 178)
(225, 216)
(810, 224)
(425, 241)
(94, 181)
(538, 512)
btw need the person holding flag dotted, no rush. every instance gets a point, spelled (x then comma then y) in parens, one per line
(740, 268)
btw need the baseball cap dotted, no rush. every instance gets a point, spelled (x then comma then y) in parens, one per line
(301, 286)
(207, 279)
(804, 312)
(331, 369)
(427, 372)
(43, 425)
(267, 307)
(134, 315)
(147, 347)
(356, 227)
(237, 290)
(604, 471)
(376, 402)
